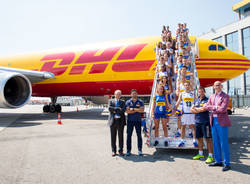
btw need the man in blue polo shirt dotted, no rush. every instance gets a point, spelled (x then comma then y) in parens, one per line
(202, 126)
(134, 108)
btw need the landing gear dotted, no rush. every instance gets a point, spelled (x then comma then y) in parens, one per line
(53, 107)
(58, 108)
(46, 108)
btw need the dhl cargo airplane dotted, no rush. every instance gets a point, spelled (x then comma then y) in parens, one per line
(100, 69)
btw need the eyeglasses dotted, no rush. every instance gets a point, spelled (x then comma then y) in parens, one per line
(217, 85)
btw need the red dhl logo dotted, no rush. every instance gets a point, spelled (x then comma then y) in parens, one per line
(90, 56)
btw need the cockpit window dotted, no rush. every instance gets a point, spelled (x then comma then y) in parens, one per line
(220, 47)
(212, 47)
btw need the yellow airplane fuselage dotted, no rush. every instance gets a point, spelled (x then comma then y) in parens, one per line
(99, 69)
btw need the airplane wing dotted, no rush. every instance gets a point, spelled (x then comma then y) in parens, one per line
(33, 76)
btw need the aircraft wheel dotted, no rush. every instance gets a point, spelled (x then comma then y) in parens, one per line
(52, 108)
(58, 108)
(46, 108)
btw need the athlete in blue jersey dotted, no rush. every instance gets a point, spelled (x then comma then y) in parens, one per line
(167, 84)
(160, 105)
(185, 45)
(186, 71)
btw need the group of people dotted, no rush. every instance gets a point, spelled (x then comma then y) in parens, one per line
(175, 95)
(211, 122)
(134, 107)
(175, 83)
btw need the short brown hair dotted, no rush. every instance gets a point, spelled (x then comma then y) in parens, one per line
(202, 88)
(133, 90)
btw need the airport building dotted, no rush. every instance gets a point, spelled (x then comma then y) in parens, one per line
(236, 37)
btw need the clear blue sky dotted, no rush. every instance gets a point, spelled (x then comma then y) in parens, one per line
(33, 25)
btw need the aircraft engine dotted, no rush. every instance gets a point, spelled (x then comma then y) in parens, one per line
(15, 90)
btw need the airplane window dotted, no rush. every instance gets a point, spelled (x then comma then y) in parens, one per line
(212, 47)
(220, 47)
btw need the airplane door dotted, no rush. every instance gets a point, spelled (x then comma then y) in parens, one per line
(196, 49)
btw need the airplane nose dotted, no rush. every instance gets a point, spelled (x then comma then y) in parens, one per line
(242, 61)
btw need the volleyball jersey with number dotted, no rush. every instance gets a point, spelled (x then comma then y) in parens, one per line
(188, 101)
(160, 104)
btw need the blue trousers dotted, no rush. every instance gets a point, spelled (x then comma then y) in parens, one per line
(220, 142)
(130, 128)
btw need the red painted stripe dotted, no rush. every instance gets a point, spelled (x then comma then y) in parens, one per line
(238, 64)
(98, 68)
(88, 56)
(131, 51)
(206, 82)
(92, 88)
(214, 59)
(132, 66)
(220, 68)
(77, 70)
(102, 88)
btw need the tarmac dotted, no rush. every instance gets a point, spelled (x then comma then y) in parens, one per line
(35, 149)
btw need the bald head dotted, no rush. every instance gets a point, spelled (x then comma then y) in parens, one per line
(118, 94)
(218, 86)
(217, 82)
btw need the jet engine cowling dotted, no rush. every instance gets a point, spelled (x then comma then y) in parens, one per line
(15, 90)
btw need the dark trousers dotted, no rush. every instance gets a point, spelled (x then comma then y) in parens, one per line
(117, 126)
(130, 128)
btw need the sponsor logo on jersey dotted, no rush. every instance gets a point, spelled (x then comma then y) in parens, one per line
(188, 99)
(160, 103)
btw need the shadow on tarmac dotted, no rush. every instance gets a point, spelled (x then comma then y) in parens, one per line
(168, 155)
(93, 114)
(239, 140)
(23, 124)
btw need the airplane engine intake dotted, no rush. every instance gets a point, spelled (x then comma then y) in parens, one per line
(15, 90)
